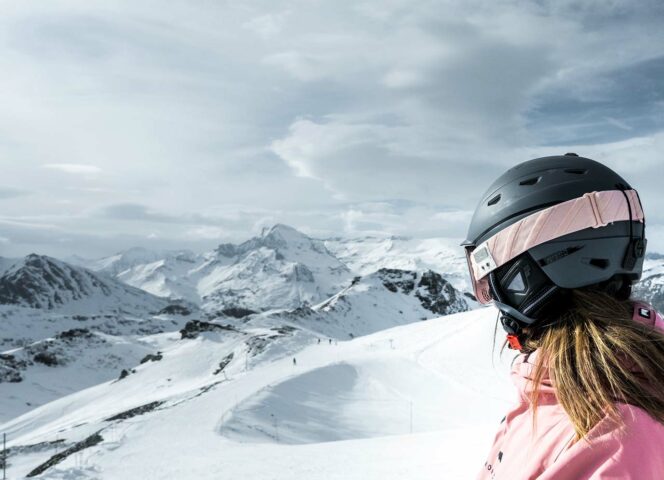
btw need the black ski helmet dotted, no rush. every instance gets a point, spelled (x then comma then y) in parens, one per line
(610, 255)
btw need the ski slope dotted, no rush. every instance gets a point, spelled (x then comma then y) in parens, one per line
(419, 401)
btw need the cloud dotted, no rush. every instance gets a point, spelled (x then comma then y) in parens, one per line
(402, 78)
(142, 213)
(616, 104)
(410, 219)
(266, 26)
(638, 160)
(74, 168)
(132, 211)
(301, 66)
(11, 193)
(207, 232)
(372, 161)
(216, 118)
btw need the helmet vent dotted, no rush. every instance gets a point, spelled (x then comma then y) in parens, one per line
(494, 200)
(576, 171)
(530, 181)
(602, 263)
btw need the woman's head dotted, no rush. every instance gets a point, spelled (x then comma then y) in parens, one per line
(548, 226)
(556, 244)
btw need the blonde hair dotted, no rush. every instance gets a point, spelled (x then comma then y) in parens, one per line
(597, 356)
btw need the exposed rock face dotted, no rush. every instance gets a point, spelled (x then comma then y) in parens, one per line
(133, 412)
(90, 441)
(175, 309)
(224, 363)
(436, 294)
(10, 368)
(396, 280)
(42, 282)
(194, 327)
(152, 357)
(237, 312)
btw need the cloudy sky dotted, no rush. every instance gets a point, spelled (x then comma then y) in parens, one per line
(183, 124)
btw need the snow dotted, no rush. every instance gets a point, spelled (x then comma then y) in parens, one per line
(344, 411)
(102, 345)
(368, 254)
(281, 268)
(367, 306)
(653, 267)
(161, 273)
(381, 386)
(45, 283)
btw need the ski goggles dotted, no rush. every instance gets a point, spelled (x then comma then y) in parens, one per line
(592, 210)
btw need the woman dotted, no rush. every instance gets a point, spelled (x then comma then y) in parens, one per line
(556, 244)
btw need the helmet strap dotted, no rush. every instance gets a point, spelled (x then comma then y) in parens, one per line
(636, 247)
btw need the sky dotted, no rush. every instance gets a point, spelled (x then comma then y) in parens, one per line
(185, 124)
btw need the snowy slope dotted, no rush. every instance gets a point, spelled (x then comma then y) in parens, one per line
(408, 402)
(165, 274)
(368, 254)
(93, 335)
(127, 259)
(46, 355)
(166, 277)
(380, 300)
(64, 328)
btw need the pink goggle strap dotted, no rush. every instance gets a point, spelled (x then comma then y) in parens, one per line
(592, 210)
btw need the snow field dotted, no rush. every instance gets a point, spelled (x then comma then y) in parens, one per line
(344, 411)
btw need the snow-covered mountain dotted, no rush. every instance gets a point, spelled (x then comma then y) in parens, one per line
(42, 282)
(161, 273)
(651, 286)
(281, 268)
(368, 254)
(123, 261)
(381, 406)
(53, 347)
(64, 328)
(380, 300)
(308, 353)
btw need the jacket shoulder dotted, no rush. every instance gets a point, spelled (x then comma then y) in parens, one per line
(631, 451)
(646, 314)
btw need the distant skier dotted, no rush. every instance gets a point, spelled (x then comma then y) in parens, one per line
(319, 341)
(294, 361)
(330, 341)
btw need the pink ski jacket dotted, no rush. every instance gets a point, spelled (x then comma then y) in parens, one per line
(633, 452)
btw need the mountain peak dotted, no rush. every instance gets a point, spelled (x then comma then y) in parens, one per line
(40, 281)
(284, 231)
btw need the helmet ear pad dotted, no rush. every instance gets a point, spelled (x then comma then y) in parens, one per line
(523, 285)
